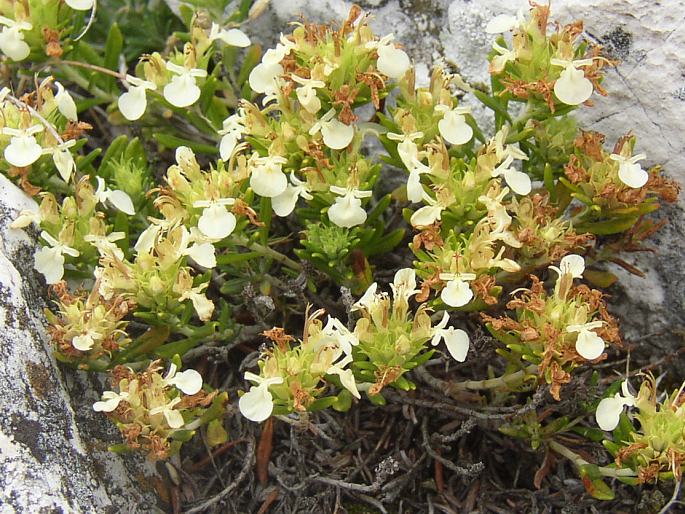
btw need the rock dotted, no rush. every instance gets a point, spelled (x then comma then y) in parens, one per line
(53, 447)
(646, 96)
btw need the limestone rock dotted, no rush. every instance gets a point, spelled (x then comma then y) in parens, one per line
(53, 447)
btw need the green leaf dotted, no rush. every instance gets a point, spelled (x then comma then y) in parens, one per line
(492, 103)
(113, 48)
(174, 142)
(592, 480)
(605, 228)
(216, 433)
(601, 279)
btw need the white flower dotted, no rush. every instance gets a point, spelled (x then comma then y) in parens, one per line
(203, 306)
(518, 181)
(336, 135)
(26, 218)
(428, 214)
(257, 404)
(306, 94)
(284, 203)
(182, 90)
(368, 298)
(347, 211)
(49, 260)
(346, 375)
(132, 103)
(23, 149)
(65, 103)
(404, 284)
(231, 132)
(629, 171)
(572, 88)
(203, 253)
(503, 150)
(339, 332)
(500, 61)
(173, 417)
(609, 410)
(80, 5)
(502, 23)
(453, 127)
(64, 161)
(188, 381)
(85, 342)
(264, 78)
(573, 264)
(392, 61)
(216, 222)
(456, 340)
(119, 199)
(588, 344)
(147, 239)
(12, 42)
(276, 55)
(409, 154)
(110, 401)
(267, 177)
(457, 291)
(232, 37)
(105, 244)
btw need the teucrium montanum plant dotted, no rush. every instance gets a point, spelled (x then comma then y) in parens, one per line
(268, 199)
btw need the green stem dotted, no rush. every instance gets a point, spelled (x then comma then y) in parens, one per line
(269, 252)
(579, 461)
(504, 381)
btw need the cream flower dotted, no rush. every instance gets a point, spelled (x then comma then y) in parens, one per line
(347, 211)
(64, 161)
(409, 154)
(12, 42)
(504, 56)
(346, 375)
(23, 149)
(456, 340)
(629, 171)
(119, 199)
(572, 88)
(336, 135)
(105, 244)
(267, 177)
(588, 344)
(453, 127)
(188, 381)
(26, 218)
(49, 260)
(276, 55)
(285, 203)
(428, 214)
(573, 264)
(132, 103)
(404, 284)
(173, 417)
(80, 5)
(457, 291)
(85, 342)
(368, 298)
(232, 37)
(264, 78)
(216, 222)
(65, 103)
(147, 239)
(231, 132)
(306, 94)
(502, 23)
(518, 181)
(392, 61)
(609, 410)
(202, 305)
(257, 404)
(182, 90)
(110, 401)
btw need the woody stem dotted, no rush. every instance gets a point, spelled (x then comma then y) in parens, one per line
(579, 461)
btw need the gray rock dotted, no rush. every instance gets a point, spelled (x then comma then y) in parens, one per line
(53, 447)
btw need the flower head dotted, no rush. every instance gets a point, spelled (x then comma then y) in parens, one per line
(49, 260)
(132, 103)
(453, 127)
(347, 211)
(119, 199)
(629, 171)
(267, 177)
(23, 149)
(573, 264)
(232, 37)
(257, 404)
(456, 340)
(110, 401)
(182, 90)
(284, 203)
(12, 42)
(518, 181)
(188, 381)
(588, 344)
(392, 61)
(609, 410)
(80, 5)
(457, 291)
(65, 103)
(216, 222)
(336, 135)
(572, 87)
(346, 375)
